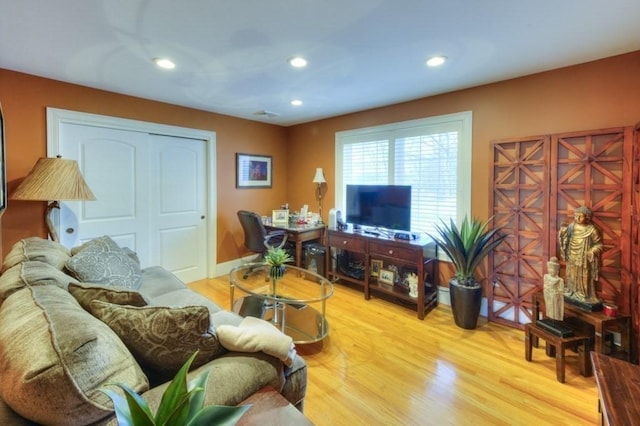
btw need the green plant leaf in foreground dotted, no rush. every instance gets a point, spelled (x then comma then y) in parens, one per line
(219, 415)
(131, 410)
(181, 404)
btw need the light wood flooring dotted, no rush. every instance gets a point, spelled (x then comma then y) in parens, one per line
(381, 365)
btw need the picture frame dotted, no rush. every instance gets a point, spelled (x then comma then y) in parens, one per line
(386, 276)
(280, 217)
(253, 171)
(376, 266)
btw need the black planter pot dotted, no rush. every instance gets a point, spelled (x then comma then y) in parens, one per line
(465, 304)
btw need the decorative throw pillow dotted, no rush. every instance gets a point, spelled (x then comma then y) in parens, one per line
(162, 338)
(105, 238)
(35, 248)
(253, 335)
(104, 262)
(55, 356)
(78, 249)
(85, 293)
(31, 273)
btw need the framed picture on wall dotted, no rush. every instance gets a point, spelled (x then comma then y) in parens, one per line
(3, 167)
(253, 171)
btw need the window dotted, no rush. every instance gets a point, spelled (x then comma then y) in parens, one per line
(433, 155)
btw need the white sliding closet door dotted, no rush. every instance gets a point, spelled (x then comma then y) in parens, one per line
(151, 195)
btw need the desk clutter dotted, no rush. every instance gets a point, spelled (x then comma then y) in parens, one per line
(284, 216)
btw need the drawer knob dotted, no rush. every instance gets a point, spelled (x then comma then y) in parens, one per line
(390, 251)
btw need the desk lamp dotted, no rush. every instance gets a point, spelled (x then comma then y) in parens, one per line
(53, 179)
(319, 180)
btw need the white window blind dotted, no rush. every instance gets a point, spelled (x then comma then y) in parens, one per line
(432, 155)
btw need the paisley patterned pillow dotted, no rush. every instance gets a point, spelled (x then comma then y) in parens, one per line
(104, 262)
(84, 293)
(162, 338)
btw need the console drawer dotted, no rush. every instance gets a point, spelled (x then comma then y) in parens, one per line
(387, 250)
(346, 242)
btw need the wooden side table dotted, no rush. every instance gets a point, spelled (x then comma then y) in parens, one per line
(600, 322)
(618, 385)
(269, 408)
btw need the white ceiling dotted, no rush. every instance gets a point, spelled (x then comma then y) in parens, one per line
(232, 56)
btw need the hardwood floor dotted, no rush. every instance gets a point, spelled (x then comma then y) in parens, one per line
(380, 365)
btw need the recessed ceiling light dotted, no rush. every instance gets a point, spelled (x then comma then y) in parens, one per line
(164, 63)
(296, 102)
(298, 62)
(435, 61)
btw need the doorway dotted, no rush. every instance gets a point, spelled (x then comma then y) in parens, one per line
(154, 187)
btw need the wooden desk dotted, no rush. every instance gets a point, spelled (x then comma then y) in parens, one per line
(618, 387)
(300, 234)
(600, 322)
(269, 408)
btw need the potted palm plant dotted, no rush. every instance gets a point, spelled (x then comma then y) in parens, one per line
(466, 247)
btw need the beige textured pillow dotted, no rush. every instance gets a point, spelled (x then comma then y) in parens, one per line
(255, 334)
(162, 338)
(35, 248)
(84, 293)
(55, 356)
(31, 273)
(104, 262)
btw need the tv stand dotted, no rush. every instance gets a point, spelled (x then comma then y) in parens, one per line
(417, 255)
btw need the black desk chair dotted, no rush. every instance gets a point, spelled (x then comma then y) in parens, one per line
(256, 237)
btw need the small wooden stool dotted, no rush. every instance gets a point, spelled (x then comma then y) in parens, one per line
(556, 345)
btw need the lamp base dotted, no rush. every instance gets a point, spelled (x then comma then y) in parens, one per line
(53, 234)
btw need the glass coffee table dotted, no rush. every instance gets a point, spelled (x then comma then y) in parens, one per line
(297, 307)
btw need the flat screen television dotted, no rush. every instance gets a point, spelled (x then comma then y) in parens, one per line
(380, 206)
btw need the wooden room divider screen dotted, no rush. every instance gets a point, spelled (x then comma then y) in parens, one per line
(537, 183)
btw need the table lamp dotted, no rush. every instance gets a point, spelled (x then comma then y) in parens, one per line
(53, 180)
(319, 180)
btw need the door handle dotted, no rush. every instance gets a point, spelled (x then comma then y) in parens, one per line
(70, 230)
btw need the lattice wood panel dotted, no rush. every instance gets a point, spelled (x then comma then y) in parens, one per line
(520, 183)
(537, 183)
(635, 237)
(594, 169)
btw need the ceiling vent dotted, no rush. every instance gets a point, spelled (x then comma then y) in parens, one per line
(265, 113)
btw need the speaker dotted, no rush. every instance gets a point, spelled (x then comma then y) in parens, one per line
(335, 217)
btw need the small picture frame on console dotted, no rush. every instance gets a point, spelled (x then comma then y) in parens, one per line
(386, 276)
(376, 266)
(280, 217)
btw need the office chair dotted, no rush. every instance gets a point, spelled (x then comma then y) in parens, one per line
(256, 237)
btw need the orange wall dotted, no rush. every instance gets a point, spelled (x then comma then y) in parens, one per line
(595, 95)
(24, 100)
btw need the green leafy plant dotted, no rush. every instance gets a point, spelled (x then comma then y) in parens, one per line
(467, 246)
(277, 257)
(182, 404)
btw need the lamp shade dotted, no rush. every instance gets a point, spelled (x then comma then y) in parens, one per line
(54, 179)
(319, 177)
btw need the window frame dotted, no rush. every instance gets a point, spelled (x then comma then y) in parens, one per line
(462, 121)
